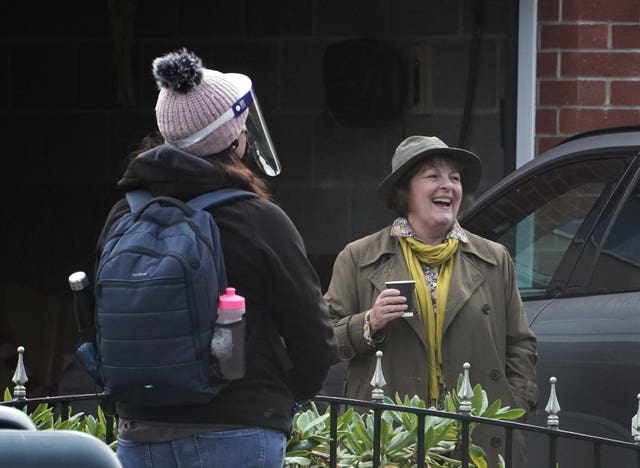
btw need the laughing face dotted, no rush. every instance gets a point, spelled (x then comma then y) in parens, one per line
(435, 193)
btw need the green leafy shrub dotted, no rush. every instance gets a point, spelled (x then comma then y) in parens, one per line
(308, 445)
(43, 418)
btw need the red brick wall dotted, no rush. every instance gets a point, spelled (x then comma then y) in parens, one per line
(588, 67)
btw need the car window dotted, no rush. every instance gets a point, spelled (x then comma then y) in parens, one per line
(540, 219)
(618, 266)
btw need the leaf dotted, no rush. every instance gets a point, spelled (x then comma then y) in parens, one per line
(401, 440)
(301, 421)
(314, 423)
(430, 438)
(478, 456)
(491, 411)
(479, 400)
(296, 461)
(42, 417)
(92, 426)
(361, 434)
(480, 462)
(510, 413)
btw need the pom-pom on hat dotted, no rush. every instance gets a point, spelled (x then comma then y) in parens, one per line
(193, 101)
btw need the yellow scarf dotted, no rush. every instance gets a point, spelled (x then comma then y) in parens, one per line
(441, 255)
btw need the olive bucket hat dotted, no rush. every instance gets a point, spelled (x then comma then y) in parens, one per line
(414, 149)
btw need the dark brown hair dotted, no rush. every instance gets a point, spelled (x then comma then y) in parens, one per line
(236, 174)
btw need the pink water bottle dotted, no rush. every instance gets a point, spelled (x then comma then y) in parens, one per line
(227, 344)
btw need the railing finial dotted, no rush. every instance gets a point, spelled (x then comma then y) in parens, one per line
(377, 381)
(20, 377)
(635, 423)
(553, 407)
(466, 391)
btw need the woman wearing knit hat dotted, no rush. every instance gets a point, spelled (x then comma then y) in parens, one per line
(213, 132)
(467, 304)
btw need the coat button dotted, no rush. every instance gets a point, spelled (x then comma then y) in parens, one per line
(486, 308)
(496, 442)
(494, 374)
(345, 353)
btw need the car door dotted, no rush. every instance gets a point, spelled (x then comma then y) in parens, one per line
(571, 226)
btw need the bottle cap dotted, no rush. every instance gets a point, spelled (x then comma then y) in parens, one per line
(78, 281)
(230, 300)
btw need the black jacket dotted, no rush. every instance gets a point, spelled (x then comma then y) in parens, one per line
(293, 344)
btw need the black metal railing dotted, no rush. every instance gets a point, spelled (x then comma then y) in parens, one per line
(551, 432)
(61, 404)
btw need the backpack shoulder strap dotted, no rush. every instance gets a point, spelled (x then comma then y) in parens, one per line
(137, 198)
(218, 197)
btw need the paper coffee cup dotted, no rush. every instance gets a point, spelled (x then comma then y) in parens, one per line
(407, 289)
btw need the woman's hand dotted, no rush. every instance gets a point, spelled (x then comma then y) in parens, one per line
(389, 305)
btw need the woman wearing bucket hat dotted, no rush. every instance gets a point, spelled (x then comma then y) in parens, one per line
(213, 134)
(468, 305)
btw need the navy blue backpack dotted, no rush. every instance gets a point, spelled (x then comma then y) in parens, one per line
(157, 287)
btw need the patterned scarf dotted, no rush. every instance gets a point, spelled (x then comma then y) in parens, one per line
(441, 255)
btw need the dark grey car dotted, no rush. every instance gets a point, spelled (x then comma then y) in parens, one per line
(571, 221)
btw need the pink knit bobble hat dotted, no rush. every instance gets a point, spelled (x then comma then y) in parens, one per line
(191, 98)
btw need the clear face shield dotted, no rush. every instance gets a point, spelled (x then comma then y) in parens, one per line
(259, 145)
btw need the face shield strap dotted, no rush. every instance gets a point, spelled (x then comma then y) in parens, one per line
(236, 109)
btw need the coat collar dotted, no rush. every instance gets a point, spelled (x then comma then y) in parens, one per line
(381, 244)
(477, 248)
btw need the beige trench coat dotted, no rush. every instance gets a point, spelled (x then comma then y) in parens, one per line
(485, 325)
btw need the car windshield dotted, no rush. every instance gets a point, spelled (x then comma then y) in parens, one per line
(540, 218)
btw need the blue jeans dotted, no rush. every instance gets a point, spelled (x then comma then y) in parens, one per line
(250, 448)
